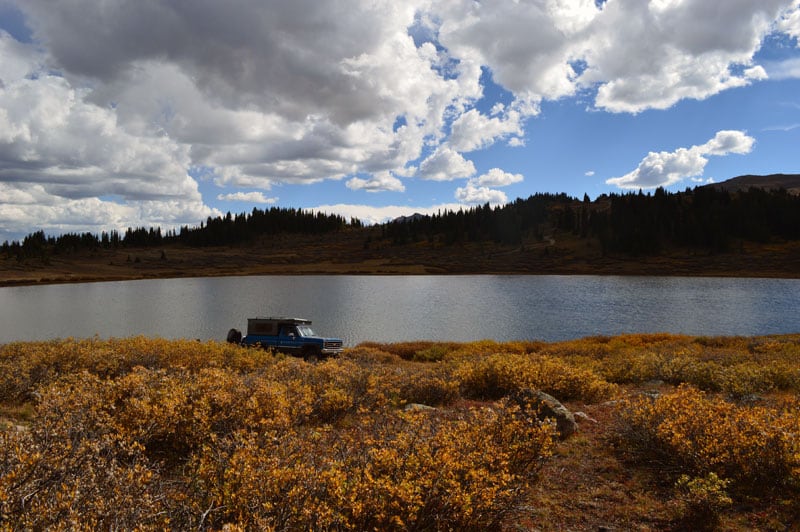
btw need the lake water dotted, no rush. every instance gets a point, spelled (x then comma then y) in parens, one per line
(397, 308)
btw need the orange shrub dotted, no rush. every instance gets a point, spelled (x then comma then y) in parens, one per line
(702, 434)
(72, 470)
(496, 376)
(390, 471)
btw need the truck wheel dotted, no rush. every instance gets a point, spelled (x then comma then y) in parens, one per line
(311, 354)
(234, 336)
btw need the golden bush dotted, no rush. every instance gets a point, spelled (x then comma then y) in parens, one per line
(497, 375)
(702, 434)
(702, 498)
(390, 471)
(154, 433)
(157, 434)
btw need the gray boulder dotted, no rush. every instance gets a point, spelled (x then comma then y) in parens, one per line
(547, 406)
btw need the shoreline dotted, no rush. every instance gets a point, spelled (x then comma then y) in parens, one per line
(343, 257)
(45, 281)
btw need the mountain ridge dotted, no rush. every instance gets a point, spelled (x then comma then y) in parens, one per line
(788, 182)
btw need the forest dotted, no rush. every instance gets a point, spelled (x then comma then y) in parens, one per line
(218, 231)
(705, 219)
(634, 223)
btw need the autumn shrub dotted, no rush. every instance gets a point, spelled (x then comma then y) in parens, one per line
(418, 350)
(700, 434)
(72, 470)
(154, 434)
(434, 353)
(702, 499)
(24, 366)
(430, 387)
(481, 348)
(337, 387)
(630, 366)
(736, 366)
(392, 470)
(366, 353)
(280, 444)
(495, 376)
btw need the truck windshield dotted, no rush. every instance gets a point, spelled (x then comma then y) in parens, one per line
(305, 331)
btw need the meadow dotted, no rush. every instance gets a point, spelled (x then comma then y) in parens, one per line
(674, 432)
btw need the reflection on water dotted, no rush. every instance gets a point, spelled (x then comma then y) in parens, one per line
(397, 308)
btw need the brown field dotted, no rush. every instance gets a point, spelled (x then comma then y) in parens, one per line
(676, 433)
(351, 253)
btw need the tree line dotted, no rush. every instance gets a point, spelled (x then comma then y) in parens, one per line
(221, 230)
(507, 224)
(633, 223)
(705, 218)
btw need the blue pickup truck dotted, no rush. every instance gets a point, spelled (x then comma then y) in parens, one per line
(288, 335)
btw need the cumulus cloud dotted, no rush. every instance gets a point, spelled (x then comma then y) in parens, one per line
(498, 178)
(531, 64)
(370, 214)
(120, 102)
(60, 155)
(299, 91)
(378, 183)
(446, 164)
(473, 130)
(33, 207)
(659, 169)
(478, 190)
(786, 69)
(789, 23)
(250, 197)
(687, 49)
(473, 194)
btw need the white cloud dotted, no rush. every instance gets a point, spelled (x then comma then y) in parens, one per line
(472, 194)
(31, 206)
(61, 154)
(370, 214)
(498, 178)
(250, 197)
(790, 21)
(473, 130)
(784, 128)
(381, 182)
(686, 49)
(786, 69)
(446, 164)
(265, 92)
(667, 168)
(121, 101)
(533, 64)
(477, 191)
(589, 173)
(725, 142)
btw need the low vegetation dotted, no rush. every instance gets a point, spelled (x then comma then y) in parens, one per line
(674, 432)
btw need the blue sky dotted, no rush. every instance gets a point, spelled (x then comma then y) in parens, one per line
(156, 113)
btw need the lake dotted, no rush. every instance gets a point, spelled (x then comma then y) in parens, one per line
(398, 308)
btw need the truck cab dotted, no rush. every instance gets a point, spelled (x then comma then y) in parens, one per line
(293, 336)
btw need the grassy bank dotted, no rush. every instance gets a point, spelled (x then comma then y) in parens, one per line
(349, 253)
(673, 432)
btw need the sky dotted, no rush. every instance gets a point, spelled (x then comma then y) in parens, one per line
(129, 113)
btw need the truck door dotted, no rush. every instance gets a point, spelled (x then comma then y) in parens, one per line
(288, 340)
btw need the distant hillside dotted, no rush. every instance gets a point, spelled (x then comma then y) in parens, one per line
(788, 182)
(707, 230)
